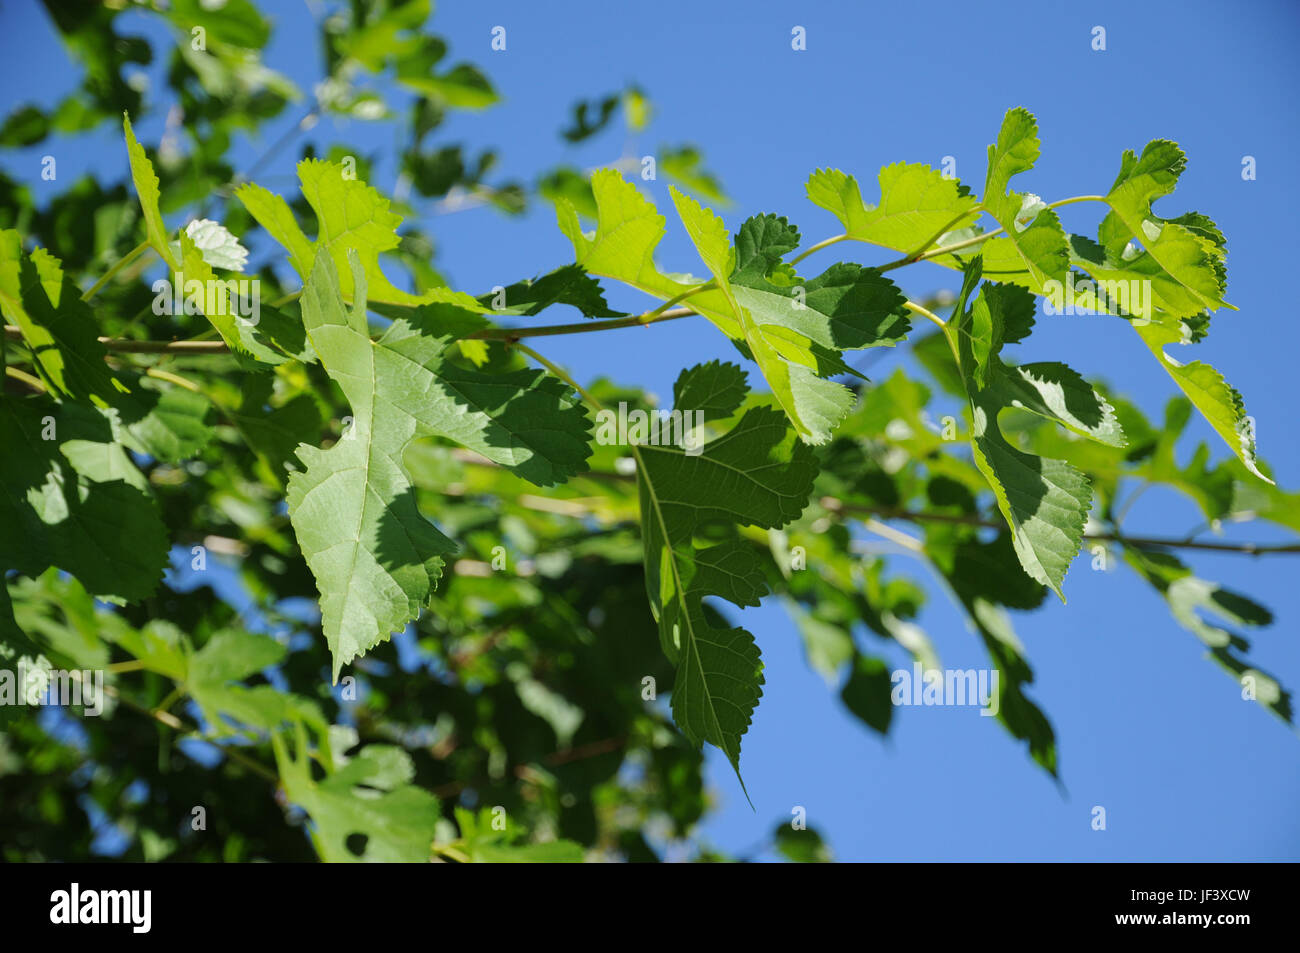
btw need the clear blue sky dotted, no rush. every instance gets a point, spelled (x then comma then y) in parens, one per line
(1146, 727)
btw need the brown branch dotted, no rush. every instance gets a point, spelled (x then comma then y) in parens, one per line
(884, 512)
(124, 346)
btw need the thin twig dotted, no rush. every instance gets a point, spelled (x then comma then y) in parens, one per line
(970, 519)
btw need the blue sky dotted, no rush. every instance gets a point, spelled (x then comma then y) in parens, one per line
(1146, 726)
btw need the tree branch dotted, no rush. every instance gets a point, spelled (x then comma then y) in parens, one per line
(124, 346)
(1250, 549)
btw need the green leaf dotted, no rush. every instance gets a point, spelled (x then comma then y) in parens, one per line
(793, 329)
(375, 558)
(685, 165)
(714, 390)
(1044, 501)
(360, 812)
(917, 205)
(1217, 400)
(866, 693)
(228, 656)
(551, 852)
(569, 284)
(1041, 244)
(760, 474)
(1195, 604)
(804, 846)
(1189, 249)
(350, 217)
(462, 87)
(628, 230)
(219, 247)
(73, 499)
(146, 187)
(167, 423)
(56, 324)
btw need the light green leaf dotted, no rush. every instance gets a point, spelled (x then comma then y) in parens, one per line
(350, 216)
(793, 329)
(56, 324)
(146, 187)
(375, 558)
(917, 205)
(1041, 243)
(351, 821)
(1189, 249)
(1216, 399)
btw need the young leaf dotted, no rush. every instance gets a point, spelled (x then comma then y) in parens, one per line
(146, 187)
(1041, 243)
(350, 217)
(1217, 400)
(917, 204)
(1189, 249)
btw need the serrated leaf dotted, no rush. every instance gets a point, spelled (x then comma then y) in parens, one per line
(917, 204)
(375, 558)
(350, 217)
(72, 499)
(714, 390)
(759, 473)
(1217, 400)
(628, 230)
(1188, 249)
(146, 187)
(219, 247)
(793, 329)
(1044, 501)
(569, 284)
(1041, 243)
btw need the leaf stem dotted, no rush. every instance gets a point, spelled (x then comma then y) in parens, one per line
(561, 373)
(26, 378)
(920, 251)
(651, 316)
(974, 519)
(824, 243)
(174, 379)
(925, 313)
(121, 263)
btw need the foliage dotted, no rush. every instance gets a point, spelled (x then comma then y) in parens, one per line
(429, 632)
